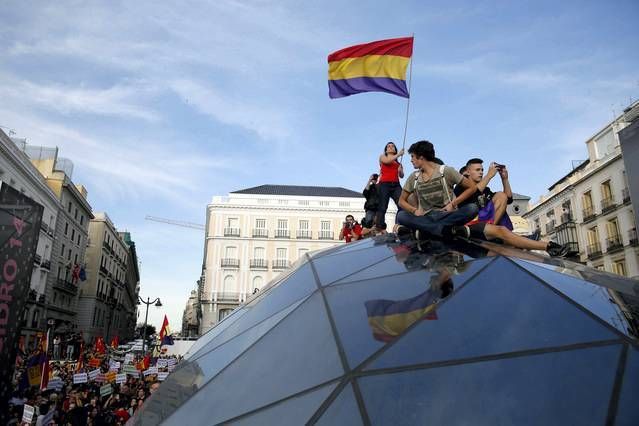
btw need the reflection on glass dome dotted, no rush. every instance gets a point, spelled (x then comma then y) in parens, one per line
(379, 332)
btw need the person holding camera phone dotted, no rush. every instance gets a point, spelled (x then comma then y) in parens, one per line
(351, 230)
(483, 197)
(372, 201)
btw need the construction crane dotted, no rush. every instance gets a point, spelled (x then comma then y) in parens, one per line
(175, 222)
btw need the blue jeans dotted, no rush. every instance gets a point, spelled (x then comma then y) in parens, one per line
(434, 221)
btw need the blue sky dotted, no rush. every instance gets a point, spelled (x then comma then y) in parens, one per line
(162, 105)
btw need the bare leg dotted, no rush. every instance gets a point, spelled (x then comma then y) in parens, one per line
(495, 231)
(500, 201)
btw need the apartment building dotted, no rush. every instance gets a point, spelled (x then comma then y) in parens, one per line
(101, 309)
(254, 234)
(17, 171)
(590, 208)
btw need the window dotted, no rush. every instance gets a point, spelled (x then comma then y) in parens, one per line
(282, 224)
(325, 225)
(257, 284)
(66, 228)
(344, 204)
(613, 228)
(81, 219)
(69, 255)
(282, 201)
(69, 207)
(259, 253)
(228, 284)
(586, 200)
(281, 254)
(224, 313)
(304, 225)
(619, 267)
(593, 236)
(73, 235)
(62, 251)
(76, 214)
(301, 252)
(260, 223)
(303, 202)
(324, 203)
(233, 222)
(230, 252)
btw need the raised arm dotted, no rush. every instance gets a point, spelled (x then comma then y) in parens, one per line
(503, 174)
(389, 158)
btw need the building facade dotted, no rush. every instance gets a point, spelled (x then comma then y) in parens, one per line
(252, 235)
(124, 328)
(17, 170)
(189, 317)
(101, 310)
(70, 240)
(590, 208)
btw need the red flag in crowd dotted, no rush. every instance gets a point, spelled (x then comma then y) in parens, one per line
(115, 342)
(44, 379)
(80, 364)
(99, 345)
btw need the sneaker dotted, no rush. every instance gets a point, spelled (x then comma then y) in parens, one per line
(556, 250)
(456, 231)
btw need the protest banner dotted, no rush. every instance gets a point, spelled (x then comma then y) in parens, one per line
(162, 375)
(20, 217)
(150, 370)
(101, 378)
(110, 376)
(93, 374)
(35, 374)
(171, 367)
(55, 383)
(27, 414)
(106, 390)
(171, 361)
(120, 378)
(128, 358)
(114, 365)
(80, 378)
(94, 362)
(162, 363)
(130, 369)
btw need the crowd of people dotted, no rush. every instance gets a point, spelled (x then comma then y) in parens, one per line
(91, 389)
(439, 201)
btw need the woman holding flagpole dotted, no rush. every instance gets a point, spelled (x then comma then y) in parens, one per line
(391, 171)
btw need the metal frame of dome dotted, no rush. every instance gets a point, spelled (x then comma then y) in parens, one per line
(379, 332)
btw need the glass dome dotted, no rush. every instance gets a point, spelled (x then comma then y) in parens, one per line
(379, 332)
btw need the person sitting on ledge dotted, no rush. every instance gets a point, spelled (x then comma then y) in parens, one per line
(437, 209)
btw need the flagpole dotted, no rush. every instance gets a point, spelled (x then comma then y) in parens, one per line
(410, 79)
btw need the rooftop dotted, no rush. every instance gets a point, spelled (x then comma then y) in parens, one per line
(306, 191)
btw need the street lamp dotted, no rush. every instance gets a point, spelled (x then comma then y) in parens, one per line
(146, 316)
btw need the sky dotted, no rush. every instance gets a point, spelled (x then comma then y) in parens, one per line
(162, 105)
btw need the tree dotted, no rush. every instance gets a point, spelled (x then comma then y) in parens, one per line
(150, 330)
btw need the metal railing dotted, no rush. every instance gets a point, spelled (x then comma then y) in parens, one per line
(588, 214)
(632, 237)
(282, 233)
(260, 233)
(281, 264)
(607, 204)
(593, 251)
(37, 259)
(326, 235)
(303, 233)
(46, 265)
(230, 263)
(65, 285)
(566, 217)
(231, 232)
(613, 243)
(258, 264)
(625, 195)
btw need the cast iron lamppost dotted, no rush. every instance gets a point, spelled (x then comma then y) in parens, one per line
(146, 316)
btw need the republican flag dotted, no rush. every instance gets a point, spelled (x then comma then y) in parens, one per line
(80, 365)
(44, 379)
(165, 333)
(379, 66)
(115, 342)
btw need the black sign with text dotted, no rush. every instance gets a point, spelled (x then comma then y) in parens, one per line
(20, 218)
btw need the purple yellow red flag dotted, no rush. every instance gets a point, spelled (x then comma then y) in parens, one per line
(379, 66)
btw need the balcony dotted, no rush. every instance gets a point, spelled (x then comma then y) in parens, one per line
(227, 297)
(594, 251)
(303, 234)
(230, 263)
(588, 214)
(632, 237)
(37, 259)
(260, 233)
(607, 204)
(46, 265)
(613, 243)
(282, 233)
(104, 270)
(625, 195)
(64, 285)
(231, 232)
(258, 264)
(326, 235)
(281, 264)
(550, 226)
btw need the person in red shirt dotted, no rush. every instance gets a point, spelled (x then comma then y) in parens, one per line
(351, 231)
(390, 172)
